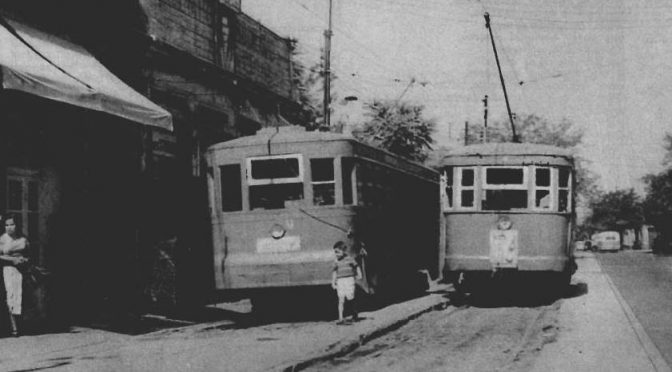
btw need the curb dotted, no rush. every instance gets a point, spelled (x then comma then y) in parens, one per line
(651, 350)
(349, 344)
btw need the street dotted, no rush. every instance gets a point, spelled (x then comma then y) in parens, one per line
(592, 328)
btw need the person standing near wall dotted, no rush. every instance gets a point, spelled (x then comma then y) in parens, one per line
(13, 246)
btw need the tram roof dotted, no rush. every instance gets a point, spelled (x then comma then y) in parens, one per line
(297, 134)
(510, 148)
(507, 150)
(287, 134)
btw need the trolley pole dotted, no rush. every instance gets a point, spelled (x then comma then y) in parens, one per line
(327, 70)
(501, 77)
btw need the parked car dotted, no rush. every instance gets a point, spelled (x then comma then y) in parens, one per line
(607, 241)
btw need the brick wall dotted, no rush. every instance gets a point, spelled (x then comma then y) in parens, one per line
(193, 26)
(185, 24)
(262, 56)
(233, 4)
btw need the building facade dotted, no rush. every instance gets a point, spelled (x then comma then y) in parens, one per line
(117, 208)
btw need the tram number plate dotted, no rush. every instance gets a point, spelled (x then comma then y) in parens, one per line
(504, 248)
(285, 244)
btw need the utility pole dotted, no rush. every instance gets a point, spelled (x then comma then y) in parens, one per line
(327, 70)
(501, 77)
(466, 133)
(485, 119)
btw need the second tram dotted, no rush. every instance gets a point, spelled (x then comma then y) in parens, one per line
(508, 210)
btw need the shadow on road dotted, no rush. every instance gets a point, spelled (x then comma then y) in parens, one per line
(519, 296)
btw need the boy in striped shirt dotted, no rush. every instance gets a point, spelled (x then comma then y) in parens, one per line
(343, 277)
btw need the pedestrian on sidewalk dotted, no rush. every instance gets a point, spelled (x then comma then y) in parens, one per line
(343, 277)
(13, 246)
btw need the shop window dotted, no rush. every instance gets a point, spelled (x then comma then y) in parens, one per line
(275, 181)
(347, 175)
(467, 188)
(324, 185)
(23, 200)
(542, 189)
(564, 190)
(232, 198)
(505, 188)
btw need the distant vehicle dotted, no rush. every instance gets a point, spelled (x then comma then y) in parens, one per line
(607, 241)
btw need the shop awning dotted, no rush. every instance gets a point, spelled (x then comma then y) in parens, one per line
(47, 66)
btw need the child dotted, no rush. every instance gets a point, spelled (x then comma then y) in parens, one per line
(343, 279)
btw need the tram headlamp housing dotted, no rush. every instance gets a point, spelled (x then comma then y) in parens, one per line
(504, 223)
(277, 231)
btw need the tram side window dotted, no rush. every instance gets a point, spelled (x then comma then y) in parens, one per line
(467, 189)
(542, 188)
(348, 172)
(324, 185)
(232, 197)
(564, 182)
(275, 181)
(505, 188)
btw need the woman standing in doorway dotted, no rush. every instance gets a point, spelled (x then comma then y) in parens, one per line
(13, 247)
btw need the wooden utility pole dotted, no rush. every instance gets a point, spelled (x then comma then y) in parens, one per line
(327, 70)
(485, 119)
(501, 77)
(466, 133)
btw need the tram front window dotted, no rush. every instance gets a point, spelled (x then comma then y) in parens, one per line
(504, 200)
(274, 196)
(274, 181)
(505, 188)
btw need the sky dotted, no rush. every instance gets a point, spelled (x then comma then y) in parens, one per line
(605, 65)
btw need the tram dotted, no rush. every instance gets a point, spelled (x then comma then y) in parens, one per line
(282, 198)
(509, 212)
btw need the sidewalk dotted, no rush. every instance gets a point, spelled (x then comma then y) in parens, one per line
(598, 331)
(206, 347)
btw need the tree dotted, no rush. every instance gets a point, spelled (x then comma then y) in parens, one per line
(658, 199)
(397, 127)
(667, 145)
(616, 210)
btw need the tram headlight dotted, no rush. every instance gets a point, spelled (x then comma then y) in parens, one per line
(277, 231)
(504, 223)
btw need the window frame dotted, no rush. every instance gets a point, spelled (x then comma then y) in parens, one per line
(485, 186)
(457, 182)
(330, 182)
(551, 188)
(269, 181)
(568, 188)
(508, 186)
